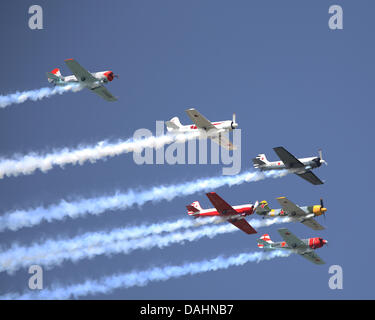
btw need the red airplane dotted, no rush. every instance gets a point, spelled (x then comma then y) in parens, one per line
(235, 215)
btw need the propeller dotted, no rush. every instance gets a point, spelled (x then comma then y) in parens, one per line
(321, 157)
(255, 206)
(321, 207)
(234, 124)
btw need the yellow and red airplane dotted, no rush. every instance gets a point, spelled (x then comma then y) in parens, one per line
(305, 214)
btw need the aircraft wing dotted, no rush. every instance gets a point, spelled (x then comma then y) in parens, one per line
(200, 121)
(313, 224)
(310, 177)
(289, 160)
(226, 209)
(81, 73)
(104, 93)
(243, 225)
(313, 257)
(221, 205)
(223, 141)
(291, 208)
(292, 241)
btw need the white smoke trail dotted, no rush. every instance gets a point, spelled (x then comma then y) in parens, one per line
(54, 252)
(38, 94)
(94, 206)
(29, 163)
(135, 278)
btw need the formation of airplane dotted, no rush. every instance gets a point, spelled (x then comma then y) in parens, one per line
(303, 247)
(235, 215)
(217, 131)
(305, 214)
(93, 81)
(302, 167)
(214, 130)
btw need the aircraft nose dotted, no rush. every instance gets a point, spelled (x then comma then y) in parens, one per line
(323, 209)
(325, 241)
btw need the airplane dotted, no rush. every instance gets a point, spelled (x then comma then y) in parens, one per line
(93, 81)
(303, 247)
(302, 167)
(235, 215)
(304, 214)
(214, 130)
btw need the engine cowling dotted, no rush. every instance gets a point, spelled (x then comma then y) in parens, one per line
(315, 243)
(318, 210)
(109, 75)
(318, 162)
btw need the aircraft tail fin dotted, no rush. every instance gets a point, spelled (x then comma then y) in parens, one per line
(54, 75)
(56, 72)
(173, 124)
(262, 208)
(264, 241)
(194, 208)
(260, 160)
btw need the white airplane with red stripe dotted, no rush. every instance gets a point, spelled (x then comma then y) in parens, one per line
(303, 247)
(93, 81)
(233, 214)
(215, 130)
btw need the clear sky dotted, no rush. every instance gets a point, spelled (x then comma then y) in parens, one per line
(292, 82)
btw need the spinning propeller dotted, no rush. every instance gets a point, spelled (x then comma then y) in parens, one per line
(322, 207)
(255, 206)
(234, 124)
(321, 157)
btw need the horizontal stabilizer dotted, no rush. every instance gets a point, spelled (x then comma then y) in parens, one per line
(52, 76)
(173, 124)
(260, 160)
(264, 245)
(192, 210)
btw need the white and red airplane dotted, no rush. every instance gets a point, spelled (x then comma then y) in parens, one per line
(93, 81)
(214, 130)
(301, 167)
(235, 215)
(303, 247)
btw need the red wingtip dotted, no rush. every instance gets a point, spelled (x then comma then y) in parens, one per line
(68, 59)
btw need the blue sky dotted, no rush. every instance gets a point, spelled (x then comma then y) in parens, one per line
(292, 82)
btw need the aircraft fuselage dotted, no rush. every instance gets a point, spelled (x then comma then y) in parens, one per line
(311, 243)
(311, 212)
(222, 126)
(242, 210)
(309, 163)
(102, 77)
